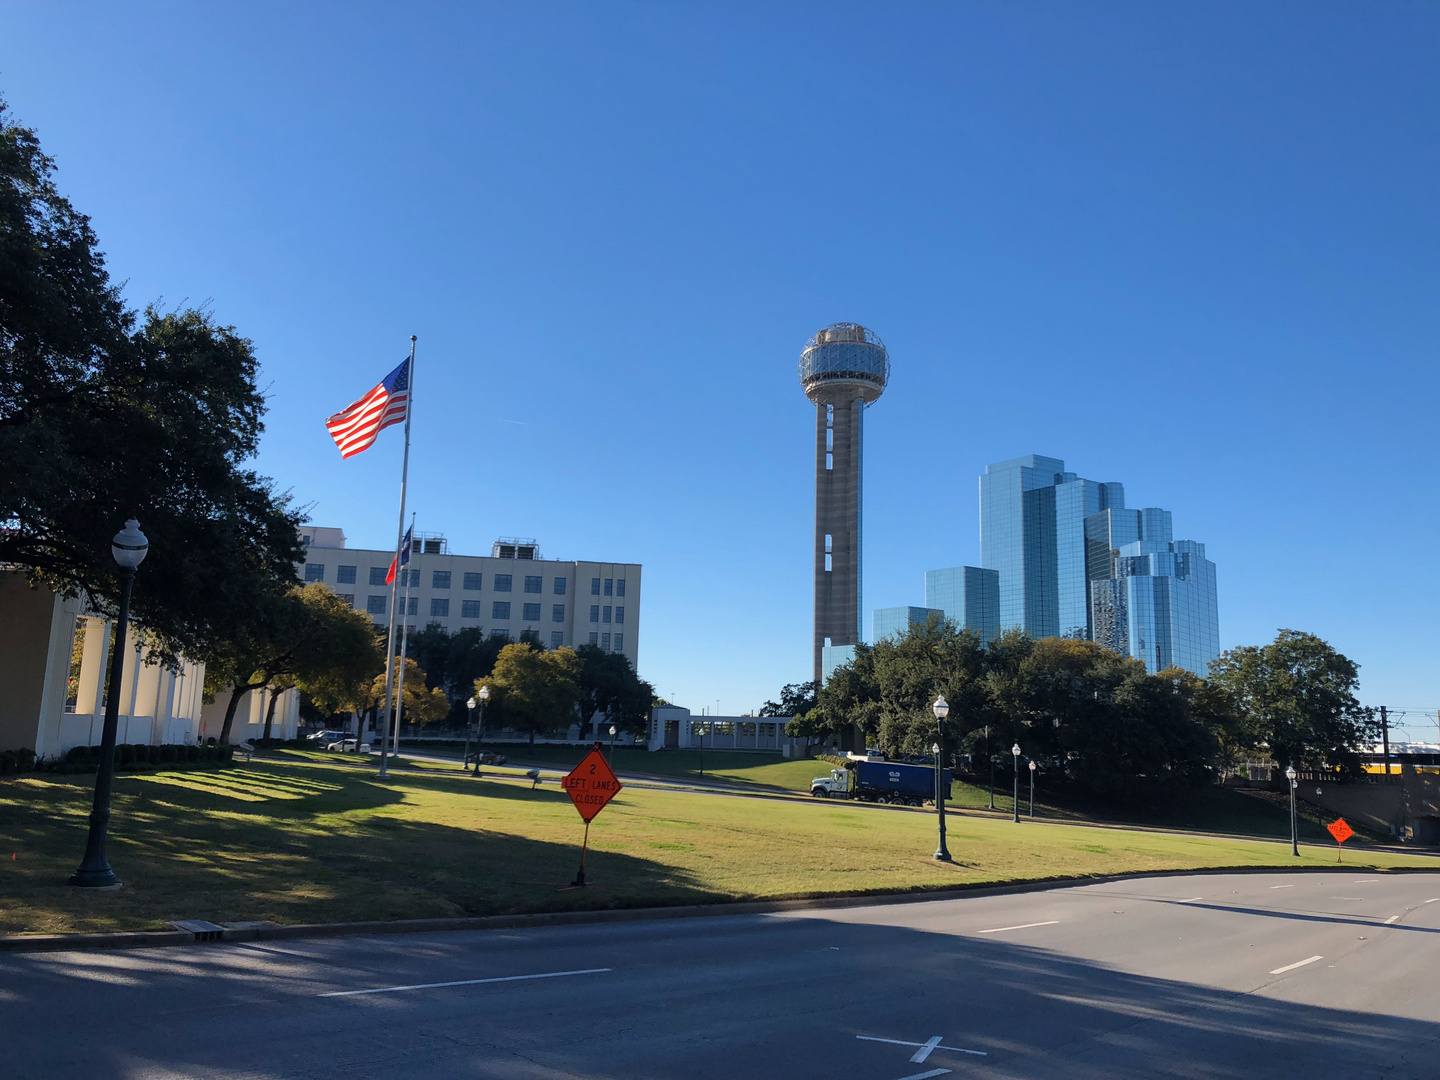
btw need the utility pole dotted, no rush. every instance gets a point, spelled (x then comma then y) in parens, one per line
(1385, 737)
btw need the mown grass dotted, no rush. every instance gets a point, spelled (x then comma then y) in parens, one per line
(318, 841)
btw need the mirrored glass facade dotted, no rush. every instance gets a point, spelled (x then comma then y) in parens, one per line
(969, 596)
(895, 621)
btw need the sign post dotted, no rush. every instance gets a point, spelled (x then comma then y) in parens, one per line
(1342, 832)
(591, 785)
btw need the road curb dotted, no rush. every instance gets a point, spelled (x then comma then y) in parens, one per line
(149, 939)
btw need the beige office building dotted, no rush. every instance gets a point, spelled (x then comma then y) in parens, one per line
(508, 592)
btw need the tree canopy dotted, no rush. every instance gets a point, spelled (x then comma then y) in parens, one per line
(420, 703)
(607, 684)
(535, 691)
(104, 416)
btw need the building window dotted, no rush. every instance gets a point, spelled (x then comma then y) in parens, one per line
(557, 613)
(502, 582)
(414, 578)
(440, 579)
(620, 587)
(594, 638)
(559, 586)
(534, 584)
(594, 612)
(472, 582)
(557, 638)
(377, 574)
(503, 635)
(344, 575)
(469, 609)
(348, 597)
(500, 609)
(314, 571)
(605, 617)
(609, 586)
(531, 613)
(594, 586)
(439, 607)
(414, 608)
(605, 641)
(619, 642)
(620, 613)
(375, 605)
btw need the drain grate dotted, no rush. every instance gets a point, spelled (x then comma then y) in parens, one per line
(203, 931)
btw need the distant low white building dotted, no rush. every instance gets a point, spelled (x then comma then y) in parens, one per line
(505, 594)
(675, 728)
(53, 675)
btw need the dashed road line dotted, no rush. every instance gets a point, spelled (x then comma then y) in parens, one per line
(925, 1075)
(1282, 886)
(464, 982)
(937, 1046)
(1191, 900)
(1022, 926)
(1299, 964)
(1391, 919)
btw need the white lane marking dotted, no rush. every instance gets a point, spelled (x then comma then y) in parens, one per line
(1432, 901)
(464, 982)
(1391, 919)
(1190, 901)
(925, 1075)
(902, 1042)
(1282, 886)
(1022, 926)
(924, 1052)
(1292, 967)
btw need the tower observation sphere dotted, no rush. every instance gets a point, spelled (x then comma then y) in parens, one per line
(843, 370)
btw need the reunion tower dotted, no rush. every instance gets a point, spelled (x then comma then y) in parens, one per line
(843, 369)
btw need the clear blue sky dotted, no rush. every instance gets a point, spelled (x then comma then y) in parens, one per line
(1191, 247)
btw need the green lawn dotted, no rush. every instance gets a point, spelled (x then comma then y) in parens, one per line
(317, 841)
(769, 770)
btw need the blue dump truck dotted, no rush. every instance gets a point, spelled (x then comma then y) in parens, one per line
(882, 782)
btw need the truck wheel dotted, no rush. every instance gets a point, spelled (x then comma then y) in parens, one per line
(914, 802)
(882, 800)
(820, 793)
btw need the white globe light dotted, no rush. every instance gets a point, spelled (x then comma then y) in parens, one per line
(130, 546)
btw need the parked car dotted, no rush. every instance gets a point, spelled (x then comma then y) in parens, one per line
(487, 757)
(323, 737)
(347, 745)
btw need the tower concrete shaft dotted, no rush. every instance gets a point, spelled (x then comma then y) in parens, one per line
(844, 369)
(839, 439)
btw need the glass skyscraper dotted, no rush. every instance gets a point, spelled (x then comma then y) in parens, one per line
(895, 621)
(969, 596)
(1072, 561)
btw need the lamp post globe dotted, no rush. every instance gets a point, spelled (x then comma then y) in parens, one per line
(1033, 767)
(941, 709)
(129, 548)
(465, 761)
(1291, 774)
(1015, 753)
(483, 694)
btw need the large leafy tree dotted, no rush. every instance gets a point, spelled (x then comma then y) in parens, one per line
(1298, 694)
(796, 699)
(104, 416)
(420, 703)
(306, 637)
(535, 691)
(607, 684)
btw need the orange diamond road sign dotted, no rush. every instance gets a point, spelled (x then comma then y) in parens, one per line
(591, 785)
(1338, 829)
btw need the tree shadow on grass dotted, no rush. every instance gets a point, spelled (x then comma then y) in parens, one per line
(186, 851)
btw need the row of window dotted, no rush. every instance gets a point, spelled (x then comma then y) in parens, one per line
(599, 614)
(440, 579)
(613, 586)
(603, 640)
(377, 604)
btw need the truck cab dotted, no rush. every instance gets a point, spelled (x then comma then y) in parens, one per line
(834, 786)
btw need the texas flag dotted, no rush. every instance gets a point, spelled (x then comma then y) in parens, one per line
(403, 559)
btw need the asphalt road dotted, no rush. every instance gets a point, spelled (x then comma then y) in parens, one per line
(1310, 976)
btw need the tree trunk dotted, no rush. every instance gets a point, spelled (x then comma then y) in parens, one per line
(235, 695)
(270, 713)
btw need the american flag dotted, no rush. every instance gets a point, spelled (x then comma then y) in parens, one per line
(355, 428)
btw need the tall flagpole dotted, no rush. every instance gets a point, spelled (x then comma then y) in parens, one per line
(399, 539)
(404, 640)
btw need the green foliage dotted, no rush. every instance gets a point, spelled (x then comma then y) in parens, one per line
(534, 691)
(796, 699)
(419, 703)
(1297, 696)
(606, 683)
(101, 420)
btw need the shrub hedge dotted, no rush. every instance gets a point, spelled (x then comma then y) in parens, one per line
(129, 757)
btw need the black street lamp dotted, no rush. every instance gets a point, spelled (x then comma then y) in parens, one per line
(1015, 753)
(1032, 789)
(941, 709)
(612, 744)
(129, 548)
(1294, 831)
(483, 694)
(465, 761)
(991, 756)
